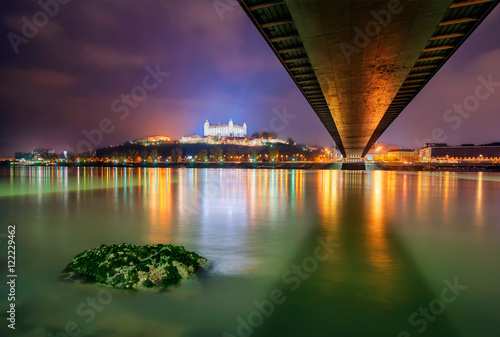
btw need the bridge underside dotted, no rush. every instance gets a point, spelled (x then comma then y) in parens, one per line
(359, 63)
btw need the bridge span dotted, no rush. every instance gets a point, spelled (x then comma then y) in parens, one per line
(359, 63)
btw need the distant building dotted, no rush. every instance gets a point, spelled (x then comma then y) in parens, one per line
(236, 141)
(153, 140)
(230, 140)
(199, 140)
(273, 141)
(380, 151)
(40, 154)
(22, 156)
(225, 130)
(404, 155)
(443, 152)
(382, 148)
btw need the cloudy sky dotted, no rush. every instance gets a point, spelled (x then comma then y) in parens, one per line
(72, 74)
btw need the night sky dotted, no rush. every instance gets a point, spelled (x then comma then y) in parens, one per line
(66, 77)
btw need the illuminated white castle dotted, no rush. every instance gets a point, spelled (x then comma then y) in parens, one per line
(225, 130)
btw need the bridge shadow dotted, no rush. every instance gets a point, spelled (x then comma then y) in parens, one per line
(353, 166)
(347, 297)
(370, 284)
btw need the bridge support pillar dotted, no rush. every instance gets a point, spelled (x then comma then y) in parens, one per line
(354, 155)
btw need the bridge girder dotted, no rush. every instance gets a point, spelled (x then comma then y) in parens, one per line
(359, 63)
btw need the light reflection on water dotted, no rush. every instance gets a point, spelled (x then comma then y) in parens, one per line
(399, 234)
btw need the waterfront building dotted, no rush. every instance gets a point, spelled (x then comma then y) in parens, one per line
(444, 152)
(382, 148)
(225, 130)
(381, 151)
(22, 156)
(40, 153)
(404, 155)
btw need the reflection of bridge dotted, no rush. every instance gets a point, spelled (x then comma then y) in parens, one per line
(359, 63)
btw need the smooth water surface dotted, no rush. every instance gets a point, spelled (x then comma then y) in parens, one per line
(342, 253)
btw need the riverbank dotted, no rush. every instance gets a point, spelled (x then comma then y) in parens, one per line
(450, 167)
(283, 166)
(369, 166)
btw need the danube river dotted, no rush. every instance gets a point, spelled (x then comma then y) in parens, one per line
(293, 252)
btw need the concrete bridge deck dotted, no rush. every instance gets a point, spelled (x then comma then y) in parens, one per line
(359, 63)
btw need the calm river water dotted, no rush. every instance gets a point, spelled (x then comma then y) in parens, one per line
(294, 253)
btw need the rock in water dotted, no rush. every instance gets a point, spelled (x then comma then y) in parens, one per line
(136, 267)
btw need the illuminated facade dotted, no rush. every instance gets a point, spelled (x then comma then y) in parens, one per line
(405, 155)
(225, 130)
(153, 140)
(443, 152)
(198, 140)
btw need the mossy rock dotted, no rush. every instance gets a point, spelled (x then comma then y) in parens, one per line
(134, 267)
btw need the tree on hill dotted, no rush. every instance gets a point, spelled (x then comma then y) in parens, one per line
(202, 155)
(143, 154)
(176, 154)
(253, 155)
(133, 155)
(273, 153)
(153, 154)
(216, 153)
(264, 134)
(231, 153)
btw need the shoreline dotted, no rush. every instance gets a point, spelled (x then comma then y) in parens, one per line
(369, 166)
(286, 166)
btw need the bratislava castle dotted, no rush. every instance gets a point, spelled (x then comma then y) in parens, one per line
(225, 130)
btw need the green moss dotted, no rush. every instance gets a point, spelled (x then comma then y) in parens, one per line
(172, 276)
(129, 266)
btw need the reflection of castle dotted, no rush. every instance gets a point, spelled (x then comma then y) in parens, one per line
(225, 130)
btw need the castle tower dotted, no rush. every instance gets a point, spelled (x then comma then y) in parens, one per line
(206, 128)
(245, 129)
